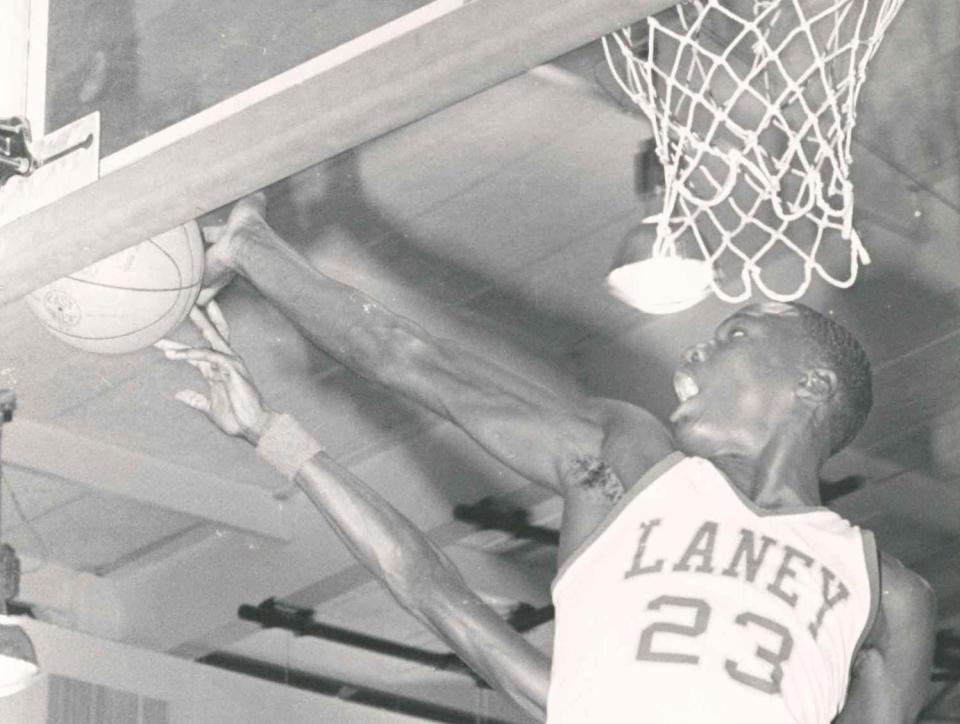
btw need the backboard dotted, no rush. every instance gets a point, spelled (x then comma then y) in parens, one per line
(147, 65)
(201, 103)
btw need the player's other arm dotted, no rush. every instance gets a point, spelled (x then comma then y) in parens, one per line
(419, 576)
(539, 434)
(892, 672)
(425, 582)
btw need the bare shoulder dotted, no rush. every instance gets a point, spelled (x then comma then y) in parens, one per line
(905, 595)
(907, 608)
(891, 672)
(634, 439)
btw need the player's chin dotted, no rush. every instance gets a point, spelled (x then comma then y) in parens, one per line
(682, 438)
(692, 438)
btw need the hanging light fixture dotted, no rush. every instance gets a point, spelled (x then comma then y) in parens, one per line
(18, 660)
(643, 275)
(657, 284)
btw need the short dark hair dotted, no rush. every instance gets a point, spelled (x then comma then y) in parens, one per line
(833, 346)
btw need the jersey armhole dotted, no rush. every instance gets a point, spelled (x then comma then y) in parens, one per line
(871, 557)
(645, 480)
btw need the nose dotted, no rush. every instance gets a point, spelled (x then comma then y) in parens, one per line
(699, 352)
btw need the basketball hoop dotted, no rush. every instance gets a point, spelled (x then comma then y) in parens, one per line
(752, 108)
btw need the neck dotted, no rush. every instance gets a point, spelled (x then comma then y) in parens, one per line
(785, 472)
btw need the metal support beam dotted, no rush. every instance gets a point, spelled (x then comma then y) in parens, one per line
(344, 690)
(493, 515)
(271, 614)
(274, 614)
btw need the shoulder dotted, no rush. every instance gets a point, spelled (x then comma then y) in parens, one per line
(902, 590)
(907, 603)
(891, 672)
(634, 440)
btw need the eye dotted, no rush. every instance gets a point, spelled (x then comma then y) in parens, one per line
(737, 332)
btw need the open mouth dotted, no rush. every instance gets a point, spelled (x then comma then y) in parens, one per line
(684, 385)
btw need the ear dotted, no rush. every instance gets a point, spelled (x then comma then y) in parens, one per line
(817, 385)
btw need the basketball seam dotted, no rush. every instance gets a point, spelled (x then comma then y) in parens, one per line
(127, 333)
(145, 289)
(187, 229)
(131, 289)
(175, 308)
(172, 260)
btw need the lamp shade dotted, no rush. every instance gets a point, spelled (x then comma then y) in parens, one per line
(656, 279)
(661, 285)
(18, 660)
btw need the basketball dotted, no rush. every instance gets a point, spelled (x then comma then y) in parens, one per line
(129, 300)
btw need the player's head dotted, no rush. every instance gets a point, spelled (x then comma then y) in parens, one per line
(767, 366)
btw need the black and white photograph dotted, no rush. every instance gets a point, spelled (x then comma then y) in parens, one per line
(479, 361)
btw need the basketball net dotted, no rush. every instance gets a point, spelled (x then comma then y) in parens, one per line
(754, 184)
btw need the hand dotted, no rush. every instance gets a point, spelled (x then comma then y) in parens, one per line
(234, 404)
(218, 263)
(223, 242)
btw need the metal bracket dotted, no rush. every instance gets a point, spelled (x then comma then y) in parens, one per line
(16, 156)
(491, 514)
(16, 159)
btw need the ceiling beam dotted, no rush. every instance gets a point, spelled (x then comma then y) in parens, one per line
(322, 108)
(69, 598)
(164, 609)
(111, 469)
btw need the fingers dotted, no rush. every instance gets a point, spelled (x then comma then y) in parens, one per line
(210, 373)
(255, 203)
(219, 321)
(209, 331)
(213, 232)
(169, 344)
(215, 359)
(207, 294)
(219, 365)
(194, 400)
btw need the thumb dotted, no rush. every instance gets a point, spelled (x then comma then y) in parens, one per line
(213, 232)
(194, 400)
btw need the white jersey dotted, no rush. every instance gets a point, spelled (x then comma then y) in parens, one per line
(690, 604)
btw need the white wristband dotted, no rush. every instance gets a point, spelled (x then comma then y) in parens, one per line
(287, 446)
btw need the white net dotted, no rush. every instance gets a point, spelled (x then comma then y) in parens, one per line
(752, 105)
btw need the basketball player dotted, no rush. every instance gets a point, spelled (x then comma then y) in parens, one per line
(701, 579)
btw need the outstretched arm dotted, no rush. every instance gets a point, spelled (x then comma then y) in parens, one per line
(891, 673)
(529, 428)
(425, 582)
(419, 576)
